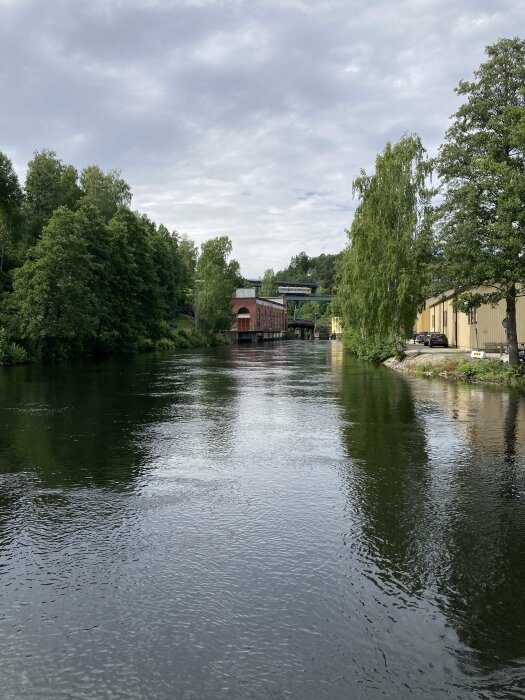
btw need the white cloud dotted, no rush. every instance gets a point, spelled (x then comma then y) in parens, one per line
(228, 116)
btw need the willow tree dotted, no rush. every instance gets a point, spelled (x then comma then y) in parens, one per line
(383, 273)
(482, 165)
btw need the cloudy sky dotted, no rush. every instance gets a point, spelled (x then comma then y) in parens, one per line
(241, 117)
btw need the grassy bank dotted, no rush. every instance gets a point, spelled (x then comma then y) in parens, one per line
(460, 368)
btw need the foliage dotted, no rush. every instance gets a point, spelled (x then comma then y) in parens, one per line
(481, 223)
(268, 286)
(10, 352)
(320, 270)
(106, 191)
(49, 184)
(370, 349)
(466, 369)
(383, 273)
(53, 296)
(92, 276)
(10, 203)
(216, 279)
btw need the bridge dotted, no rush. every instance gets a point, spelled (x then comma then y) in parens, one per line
(309, 297)
(302, 324)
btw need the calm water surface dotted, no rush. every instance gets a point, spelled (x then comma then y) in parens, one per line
(259, 522)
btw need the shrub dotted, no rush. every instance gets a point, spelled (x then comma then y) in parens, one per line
(10, 352)
(165, 344)
(370, 349)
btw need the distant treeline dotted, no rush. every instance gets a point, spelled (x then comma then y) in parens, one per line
(320, 270)
(80, 273)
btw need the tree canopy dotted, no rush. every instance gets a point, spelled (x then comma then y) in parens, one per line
(481, 222)
(268, 286)
(10, 203)
(90, 275)
(383, 272)
(216, 279)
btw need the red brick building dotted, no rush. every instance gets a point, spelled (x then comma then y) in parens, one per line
(267, 318)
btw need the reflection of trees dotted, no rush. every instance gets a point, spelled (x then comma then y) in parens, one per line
(454, 520)
(390, 477)
(89, 423)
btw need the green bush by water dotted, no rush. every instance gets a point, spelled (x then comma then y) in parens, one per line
(10, 352)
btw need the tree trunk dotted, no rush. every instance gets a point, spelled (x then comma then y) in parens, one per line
(512, 334)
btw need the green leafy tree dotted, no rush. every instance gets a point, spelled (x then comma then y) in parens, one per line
(10, 203)
(481, 224)
(169, 268)
(268, 285)
(383, 272)
(53, 298)
(188, 253)
(216, 280)
(320, 270)
(106, 191)
(49, 184)
(136, 286)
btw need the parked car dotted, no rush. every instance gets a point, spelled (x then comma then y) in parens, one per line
(437, 340)
(422, 337)
(521, 355)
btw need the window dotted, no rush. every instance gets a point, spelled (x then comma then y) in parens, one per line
(472, 316)
(445, 317)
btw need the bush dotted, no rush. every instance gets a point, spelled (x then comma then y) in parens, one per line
(489, 370)
(145, 345)
(370, 349)
(165, 344)
(10, 352)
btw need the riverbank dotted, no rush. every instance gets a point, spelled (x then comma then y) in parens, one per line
(182, 337)
(459, 366)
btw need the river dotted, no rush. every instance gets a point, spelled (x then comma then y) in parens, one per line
(278, 521)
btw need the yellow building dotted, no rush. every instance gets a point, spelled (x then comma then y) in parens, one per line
(479, 329)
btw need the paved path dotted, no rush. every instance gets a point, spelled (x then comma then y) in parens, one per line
(418, 348)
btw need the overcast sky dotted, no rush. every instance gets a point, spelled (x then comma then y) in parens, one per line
(241, 117)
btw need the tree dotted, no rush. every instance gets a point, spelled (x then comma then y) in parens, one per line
(10, 202)
(169, 267)
(481, 224)
(106, 191)
(49, 184)
(136, 287)
(53, 296)
(321, 270)
(216, 279)
(268, 286)
(383, 271)
(188, 253)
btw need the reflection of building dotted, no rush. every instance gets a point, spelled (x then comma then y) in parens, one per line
(490, 420)
(480, 328)
(258, 318)
(336, 328)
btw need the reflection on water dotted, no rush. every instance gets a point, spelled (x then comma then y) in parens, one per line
(256, 522)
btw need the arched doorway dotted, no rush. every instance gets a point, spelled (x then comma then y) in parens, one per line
(243, 319)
